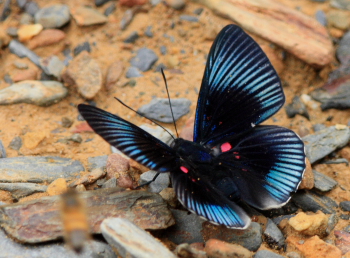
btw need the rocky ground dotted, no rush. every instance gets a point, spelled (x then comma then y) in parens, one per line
(58, 54)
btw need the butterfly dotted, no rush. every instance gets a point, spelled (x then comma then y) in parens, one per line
(232, 159)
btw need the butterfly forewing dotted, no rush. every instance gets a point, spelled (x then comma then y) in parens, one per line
(240, 88)
(130, 139)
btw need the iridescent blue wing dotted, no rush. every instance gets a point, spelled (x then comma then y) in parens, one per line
(130, 139)
(201, 198)
(266, 164)
(240, 88)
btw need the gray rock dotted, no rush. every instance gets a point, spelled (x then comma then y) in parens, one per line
(159, 109)
(110, 183)
(131, 241)
(318, 127)
(85, 46)
(12, 31)
(21, 51)
(341, 4)
(5, 10)
(163, 50)
(321, 17)
(38, 169)
(31, 8)
(110, 9)
(16, 143)
(278, 220)
(97, 162)
(187, 228)
(312, 201)
(92, 249)
(335, 161)
(144, 59)
(2, 150)
(159, 133)
(148, 32)
(189, 18)
(332, 222)
(267, 254)
(322, 143)
(101, 2)
(323, 183)
(52, 65)
(19, 190)
(133, 72)
(127, 18)
(345, 205)
(26, 18)
(343, 50)
(297, 107)
(53, 16)
(41, 93)
(132, 37)
(273, 235)
(161, 182)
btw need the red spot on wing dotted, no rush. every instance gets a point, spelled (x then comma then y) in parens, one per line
(193, 180)
(226, 147)
(184, 169)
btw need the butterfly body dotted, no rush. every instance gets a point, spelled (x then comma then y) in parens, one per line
(232, 158)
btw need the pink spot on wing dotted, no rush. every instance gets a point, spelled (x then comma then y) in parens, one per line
(226, 147)
(184, 169)
(193, 180)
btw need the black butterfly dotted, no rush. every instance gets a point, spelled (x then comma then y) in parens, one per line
(232, 158)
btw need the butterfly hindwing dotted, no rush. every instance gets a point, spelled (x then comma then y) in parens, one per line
(203, 199)
(266, 164)
(130, 139)
(239, 90)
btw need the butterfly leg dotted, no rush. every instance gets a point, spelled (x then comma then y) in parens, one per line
(147, 183)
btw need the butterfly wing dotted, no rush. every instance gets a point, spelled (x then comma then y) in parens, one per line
(266, 164)
(240, 88)
(130, 139)
(200, 197)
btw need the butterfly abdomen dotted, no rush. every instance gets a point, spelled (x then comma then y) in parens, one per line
(192, 152)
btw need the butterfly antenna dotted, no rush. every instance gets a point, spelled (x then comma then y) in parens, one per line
(171, 108)
(121, 102)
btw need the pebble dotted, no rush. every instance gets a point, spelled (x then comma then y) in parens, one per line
(161, 182)
(297, 107)
(188, 251)
(131, 3)
(110, 183)
(29, 74)
(85, 46)
(163, 50)
(28, 31)
(187, 228)
(345, 205)
(57, 187)
(21, 51)
(176, 4)
(101, 2)
(52, 65)
(133, 72)
(53, 16)
(19, 190)
(2, 150)
(66, 122)
(89, 178)
(119, 232)
(84, 72)
(168, 194)
(12, 31)
(322, 143)
(339, 19)
(144, 59)
(273, 236)
(10, 248)
(26, 18)
(20, 65)
(46, 38)
(323, 183)
(342, 241)
(312, 201)
(218, 249)
(267, 254)
(148, 31)
(16, 143)
(189, 18)
(31, 8)
(97, 162)
(341, 4)
(40, 93)
(343, 50)
(332, 222)
(114, 73)
(308, 181)
(116, 164)
(86, 16)
(6, 10)
(133, 36)
(310, 224)
(31, 140)
(159, 133)
(251, 238)
(127, 18)
(159, 109)
(38, 169)
(321, 17)
(110, 9)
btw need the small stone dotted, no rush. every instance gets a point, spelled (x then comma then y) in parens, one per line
(85, 46)
(332, 222)
(54, 16)
(345, 205)
(80, 188)
(321, 17)
(131, 3)
(27, 31)
(168, 194)
(76, 138)
(267, 254)
(114, 73)
(127, 18)
(133, 36)
(176, 4)
(31, 140)
(297, 107)
(342, 241)
(159, 109)
(2, 150)
(110, 183)
(31, 8)
(52, 65)
(67, 122)
(16, 143)
(343, 50)
(85, 73)
(218, 249)
(144, 59)
(133, 72)
(148, 32)
(19, 190)
(341, 4)
(41, 93)
(46, 38)
(323, 183)
(163, 50)
(308, 180)
(26, 18)
(21, 51)
(188, 251)
(12, 31)
(310, 225)
(89, 178)
(20, 65)
(119, 231)
(339, 19)
(312, 201)
(29, 74)
(273, 236)
(189, 18)
(57, 187)
(86, 16)
(110, 9)
(116, 165)
(161, 182)
(101, 2)
(97, 162)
